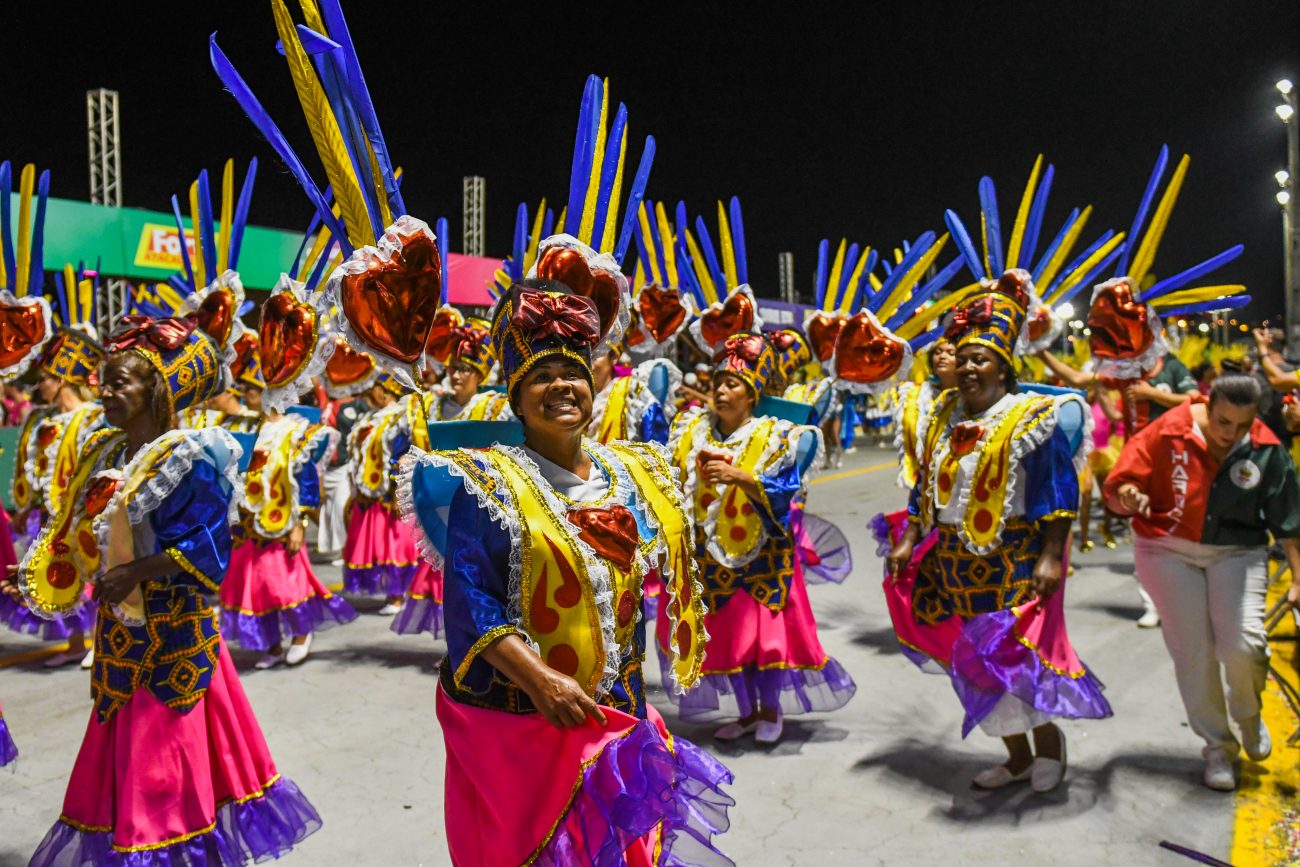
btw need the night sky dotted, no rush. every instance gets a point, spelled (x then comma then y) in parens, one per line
(861, 120)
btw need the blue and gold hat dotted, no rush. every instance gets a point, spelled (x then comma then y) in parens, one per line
(792, 352)
(73, 357)
(188, 360)
(995, 316)
(541, 319)
(472, 345)
(748, 356)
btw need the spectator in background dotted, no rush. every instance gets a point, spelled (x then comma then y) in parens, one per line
(15, 405)
(1204, 374)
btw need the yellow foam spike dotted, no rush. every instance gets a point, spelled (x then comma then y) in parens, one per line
(530, 254)
(854, 280)
(70, 292)
(918, 323)
(833, 281)
(903, 290)
(200, 275)
(875, 282)
(560, 227)
(701, 272)
(170, 297)
(728, 248)
(227, 211)
(1197, 296)
(1067, 244)
(1072, 279)
(1146, 253)
(638, 276)
(672, 278)
(609, 236)
(588, 218)
(1022, 215)
(644, 220)
(85, 301)
(23, 261)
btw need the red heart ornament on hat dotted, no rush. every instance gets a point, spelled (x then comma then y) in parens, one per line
(570, 267)
(216, 315)
(391, 303)
(443, 338)
(287, 338)
(720, 321)
(23, 327)
(865, 352)
(1119, 323)
(347, 366)
(662, 312)
(1040, 323)
(823, 329)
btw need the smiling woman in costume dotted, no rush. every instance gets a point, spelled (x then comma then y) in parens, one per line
(173, 766)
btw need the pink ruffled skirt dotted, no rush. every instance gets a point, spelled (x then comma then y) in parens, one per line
(380, 556)
(422, 609)
(269, 595)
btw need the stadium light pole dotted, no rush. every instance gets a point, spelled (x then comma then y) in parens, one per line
(1286, 112)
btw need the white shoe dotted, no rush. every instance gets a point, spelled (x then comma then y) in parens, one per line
(735, 731)
(999, 776)
(1046, 774)
(390, 609)
(298, 652)
(1219, 772)
(769, 731)
(337, 561)
(269, 660)
(59, 660)
(88, 661)
(1255, 739)
(1150, 619)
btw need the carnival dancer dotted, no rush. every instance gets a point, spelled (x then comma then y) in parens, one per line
(992, 579)
(915, 404)
(349, 376)
(1206, 483)
(468, 360)
(173, 766)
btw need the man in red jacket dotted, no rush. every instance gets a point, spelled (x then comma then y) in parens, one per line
(1206, 483)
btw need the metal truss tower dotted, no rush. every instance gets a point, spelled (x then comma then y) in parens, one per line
(785, 266)
(473, 214)
(104, 138)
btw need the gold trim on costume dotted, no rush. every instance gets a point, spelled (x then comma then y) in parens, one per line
(185, 564)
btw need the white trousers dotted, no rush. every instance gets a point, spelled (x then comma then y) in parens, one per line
(1211, 600)
(333, 525)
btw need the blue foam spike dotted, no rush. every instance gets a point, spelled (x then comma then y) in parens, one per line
(1230, 303)
(1089, 279)
(312, 42)
(634, 198)
(926, 292)
(318, 270)
(333, 79)
(738, 240)
(61, 293)
(584, 147)
(1034, 224)
(643, 256)
(823, 254)
(548, 224)
(1076, 263)
(711, 258)
(864, 284)
(240, 219)
(1038, 269)
(244, 309)
(914, 255)
(36, 278)
(336, 24)
(185, 249)
(907, 248)
(965, 245)
(921, 341)
(661, 249)
(6, 230)
(177, 282)
(850, 262)
(1153, 183)
(607, 172)
(204, 228)
(520, 245)
(442, 231)
(1171, 284)
(992, 226)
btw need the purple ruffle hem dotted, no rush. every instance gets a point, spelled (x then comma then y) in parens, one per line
(264, 631)
(823, 550)
(637, 784)
(256, 830)
(8, 749)
(795, 691)
(419, 615)
(19, 618)
(882, 531)
(386, 579)
(988, 662)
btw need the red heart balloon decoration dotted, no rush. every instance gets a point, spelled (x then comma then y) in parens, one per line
(865, 353)
(391, 305)
(442, 338)
(22, 326)
(287, 338)
(245, 348)
(720, 321)
(662, 311)
(1118, 323)
(1040, 324)
(570, 267)
(216, 315)
(347, 366)
(635, 335)
(823, 329)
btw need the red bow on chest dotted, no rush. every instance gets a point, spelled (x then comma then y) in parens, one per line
(610, 531)
(963, 438)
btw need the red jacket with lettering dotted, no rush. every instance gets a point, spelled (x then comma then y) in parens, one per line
(1239, 502)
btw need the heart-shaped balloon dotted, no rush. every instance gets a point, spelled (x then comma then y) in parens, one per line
(1040, 323)
(442, 338)
(347, 366)
(635, 334)
(823, 329)
(570, 267)
(1119, 323)
(245, 351)
(216, 315)
(23, 327)
(662, 312)
(720, 321)
(390, 303)
(865, 352)
(287, 338)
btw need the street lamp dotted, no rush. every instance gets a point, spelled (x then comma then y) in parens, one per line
(1284, 87)
(1065, 311)
(1285, 178)
(1283, 198)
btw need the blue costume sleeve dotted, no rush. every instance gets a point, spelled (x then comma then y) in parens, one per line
(308, 479)
(1051, 481)
(654, 425)
(191, 526)
(476, 587)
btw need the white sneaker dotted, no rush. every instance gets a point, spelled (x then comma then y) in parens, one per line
(1255, 739)
(88, 661)
(769, 732)
(269, 660)
(735, 731)
(998, 776)
(1046, 774)
(390, 609)
(298, 652)
(1150, 619)
(1220, 775)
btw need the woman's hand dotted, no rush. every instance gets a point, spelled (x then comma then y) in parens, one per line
(117, 584)
(1293, 594)
(294, 543)
(718, 472)
(1133, 501)
(9, 584)
(559, 698)
(901, 554)
(1046, 579)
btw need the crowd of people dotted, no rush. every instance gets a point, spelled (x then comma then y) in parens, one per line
(612, 462)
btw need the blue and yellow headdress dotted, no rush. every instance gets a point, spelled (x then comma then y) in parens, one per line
(661, 309)
(523, 250)
(75, 355)
(188, 360)
(28, 325)
(472, 345)
(541, 319)
(792, 353)
(994, 318)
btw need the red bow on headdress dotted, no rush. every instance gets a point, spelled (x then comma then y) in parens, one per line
(978, 312)
(145, 332)
(746, 347)
(571, 318)
(467, 340)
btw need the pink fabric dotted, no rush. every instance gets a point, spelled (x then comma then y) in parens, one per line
(8, 557)
(934, 641)
(1043, 626)
(653, 586)
(1100, 427)
(152, 774)
(378, 537)
(510, 778)
(266, 578)
(427, 583)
